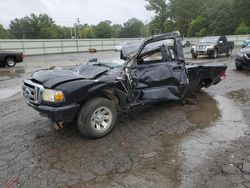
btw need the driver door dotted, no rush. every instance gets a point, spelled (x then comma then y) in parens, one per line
(222, 45)
(159, 76)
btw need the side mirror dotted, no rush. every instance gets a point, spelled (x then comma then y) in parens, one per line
(221, 42)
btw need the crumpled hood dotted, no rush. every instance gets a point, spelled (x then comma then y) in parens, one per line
(50, 78)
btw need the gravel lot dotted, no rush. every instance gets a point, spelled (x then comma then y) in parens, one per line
(164, 145)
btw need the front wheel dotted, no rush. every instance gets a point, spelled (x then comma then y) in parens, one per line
(229, 52)
(10, 62)
(214, 54)
(97, 118)
(194, 56)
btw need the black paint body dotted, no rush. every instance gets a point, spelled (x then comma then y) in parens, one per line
(135, 83)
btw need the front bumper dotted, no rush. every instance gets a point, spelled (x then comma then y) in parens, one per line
(202, 52)
(57, 114)
(240, 62)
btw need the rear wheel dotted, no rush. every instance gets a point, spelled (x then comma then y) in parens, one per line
(10, 62)
(194, 56)
(239, 68)
(97, 118)
(229, 52)
(188, 44)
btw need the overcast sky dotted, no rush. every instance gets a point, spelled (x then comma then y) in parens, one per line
(65, 12)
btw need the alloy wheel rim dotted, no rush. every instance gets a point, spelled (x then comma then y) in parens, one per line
(101, 119)
(11, 63)
(215, 54)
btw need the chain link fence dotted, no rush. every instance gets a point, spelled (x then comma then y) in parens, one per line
(56, 46)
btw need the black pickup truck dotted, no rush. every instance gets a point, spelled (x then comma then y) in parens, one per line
(93, 93)
(10, 58)
(213, 46)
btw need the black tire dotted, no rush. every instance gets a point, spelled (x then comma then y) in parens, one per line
(194, 56)
(214, 54)
(240, 68)
(87, 118)
(188, 44)
(10, 62)
(229, 52)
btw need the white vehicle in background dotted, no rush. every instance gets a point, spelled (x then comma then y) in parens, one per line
(118, 48)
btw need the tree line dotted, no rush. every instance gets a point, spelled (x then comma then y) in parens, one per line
(193, 18)
(42, 26)
(197, 18)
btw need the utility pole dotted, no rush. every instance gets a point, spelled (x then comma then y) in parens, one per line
(79, 27)
(71, 32)
(75, 31)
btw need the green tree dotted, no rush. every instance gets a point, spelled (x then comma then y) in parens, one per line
(103, 30)
(219, 14)
(241, 11)
(64, 32)
(34, 27)
(4, 34)
(183, 12)
(133, 28)
(117, 28)
(162, 21)
(242, 29)
(87, 31)
(197, 27)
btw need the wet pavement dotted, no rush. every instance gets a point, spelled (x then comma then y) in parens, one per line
(164, 145)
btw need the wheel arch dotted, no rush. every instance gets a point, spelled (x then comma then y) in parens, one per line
(105, 92)
(10, 56)
(206, 82)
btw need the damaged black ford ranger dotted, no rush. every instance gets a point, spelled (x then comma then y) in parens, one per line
(93, 93)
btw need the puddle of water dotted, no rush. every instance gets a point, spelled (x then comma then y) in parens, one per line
(204, 113)
(195, 149)
(240, 96)
(12, 72)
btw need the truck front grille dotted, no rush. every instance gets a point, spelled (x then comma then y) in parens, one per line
(201, 47)
(32, 91)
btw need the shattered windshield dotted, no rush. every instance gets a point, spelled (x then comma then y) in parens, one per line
(130, 49)
(209, 40)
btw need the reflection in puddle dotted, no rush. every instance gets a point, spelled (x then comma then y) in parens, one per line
(195, 149)
(12, 72)
(204, 113)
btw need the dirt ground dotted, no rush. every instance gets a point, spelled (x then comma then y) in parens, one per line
(165, 145)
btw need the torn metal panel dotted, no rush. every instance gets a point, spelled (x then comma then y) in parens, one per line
(158, 70)
(162, 93)
(170, 76)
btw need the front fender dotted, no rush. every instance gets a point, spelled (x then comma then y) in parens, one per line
(77, 92)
